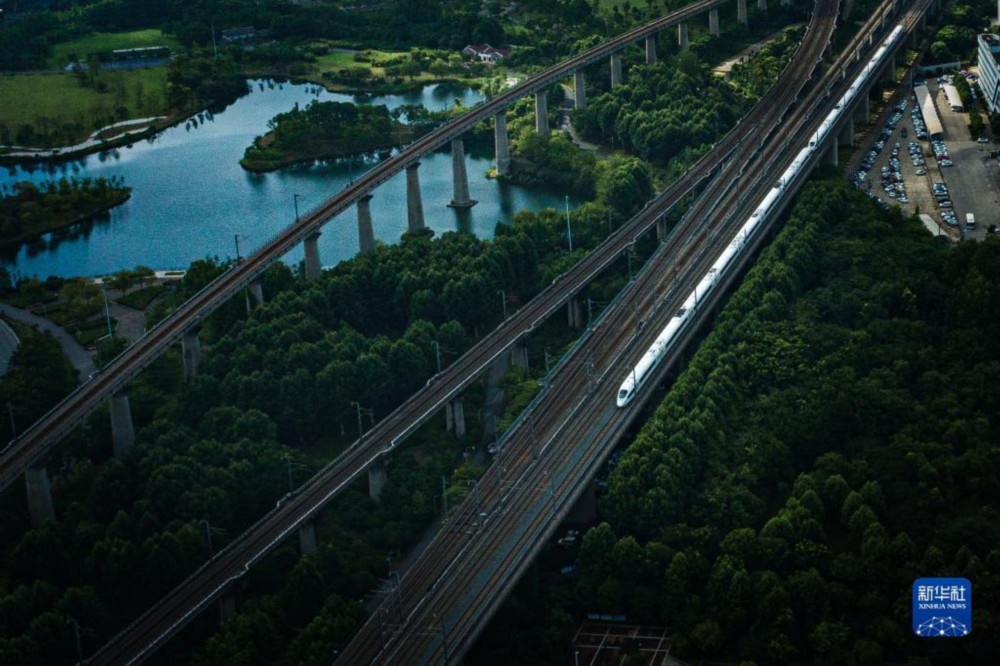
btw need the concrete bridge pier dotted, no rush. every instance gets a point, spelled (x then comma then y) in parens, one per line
(378, 474)
(846, 137)
(651, 49)
(414, 203)
(191, 352)
(40, 507)
(366, 233)
(585, 508)
(579, 92)
(541, 113)
(227, 606)
(661, 229)
(889, 73)
(308, 538)
(616, 69)
(762, 5)
(501, 142)
(863, 114)
(741, 12)
(257, 291)
(682, 35)
(122, 429)
(313, 267)
(832, 158)
(713, 22)
(519, 356)
(574, 312)
(454, 411)
(459, 176)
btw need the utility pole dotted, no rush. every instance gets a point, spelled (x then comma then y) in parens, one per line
(107, 310)
(357, 407)
(13, 429)
(236, 237)
(503, 301)
(437, 354)
(295, 202)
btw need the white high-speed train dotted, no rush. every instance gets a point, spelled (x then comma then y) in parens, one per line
(651, 359)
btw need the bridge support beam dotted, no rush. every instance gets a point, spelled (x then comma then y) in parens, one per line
(501, 143)
(313, 267)
(616, 69)
(366, 233)
(713, 22)
(191, 352)
(308, 538)
(741, 12)
(459, 176)
(579, 91)
(122, 430)
(519, 356)
(651, 49)
(832, 158)
(257, 291)
(227, 606)
(762, 5)
(846, 137)
(454, 411)
(541, 113)
(377, 476)
(574, 313)
(414, 202)
(682, 36)
(40, 508)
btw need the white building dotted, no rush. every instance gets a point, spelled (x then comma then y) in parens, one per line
(989, 70)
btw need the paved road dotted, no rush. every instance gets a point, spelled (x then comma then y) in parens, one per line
(77, 355)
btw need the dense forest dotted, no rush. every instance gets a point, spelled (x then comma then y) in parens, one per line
(28, 211)
(833, 440)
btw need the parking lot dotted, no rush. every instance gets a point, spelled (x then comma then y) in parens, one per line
(945, 179)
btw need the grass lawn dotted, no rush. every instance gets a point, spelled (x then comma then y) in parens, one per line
(102, 42)
(59, 106)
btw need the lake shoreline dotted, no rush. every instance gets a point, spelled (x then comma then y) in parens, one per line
(9, 244)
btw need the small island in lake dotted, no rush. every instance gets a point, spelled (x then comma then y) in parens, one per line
(324, 130)
(28, 211)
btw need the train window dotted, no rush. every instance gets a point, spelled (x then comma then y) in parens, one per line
(622, 394)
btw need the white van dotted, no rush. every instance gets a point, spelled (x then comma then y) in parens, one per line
(970, 221)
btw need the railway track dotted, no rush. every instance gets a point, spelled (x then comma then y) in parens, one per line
(452, 603)
(553, 419)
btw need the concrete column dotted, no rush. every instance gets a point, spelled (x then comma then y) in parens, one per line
(458, 416)
(191, 351)
(227, 605)
(713, 21)
(847, 134)
(414, 204)
(519, 356)
(541, 113)
(832, 158)
(580, 93)
(661, 230)
(616, 69)
(585, 509)
(741, 12)
(682, 35)
(313, 267)
(762, 5)
(366, 234)
(890, 71)
(574, 313)
(308, 538)
(459, 177)
(122, 430)
(911, 38)
(863, 109)
(377, 476)
(257, 291)
(651, 49)
(40, 508)
(501, 143)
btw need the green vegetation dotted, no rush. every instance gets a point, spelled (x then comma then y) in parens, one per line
(27, 211)
(43, 110)
(325, 130)
(141, 298)
(756, 75)
(81, 48)
(956, 38)
(831, 441)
